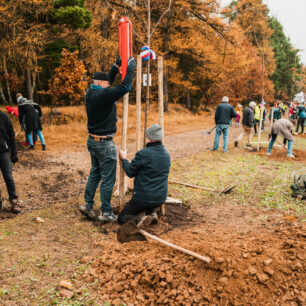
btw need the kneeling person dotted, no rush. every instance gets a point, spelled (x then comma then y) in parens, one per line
(150, 167)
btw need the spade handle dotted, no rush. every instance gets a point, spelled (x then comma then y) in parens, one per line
(174, 246)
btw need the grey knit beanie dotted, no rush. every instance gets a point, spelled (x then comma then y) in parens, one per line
(154, 132)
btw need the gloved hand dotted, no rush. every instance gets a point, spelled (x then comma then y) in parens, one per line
(132, 63)
(118, 62)
(14, 159)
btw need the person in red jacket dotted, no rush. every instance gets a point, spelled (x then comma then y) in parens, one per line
(12, 110)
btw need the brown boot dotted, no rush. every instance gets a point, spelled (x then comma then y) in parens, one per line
(15, 206)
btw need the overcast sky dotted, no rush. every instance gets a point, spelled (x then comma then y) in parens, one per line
(292, 16)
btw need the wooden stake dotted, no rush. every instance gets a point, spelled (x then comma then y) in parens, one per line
(161, 93)
(260, 125)
(123, 147)
(272, 118)
(138, 103)
(148, 73)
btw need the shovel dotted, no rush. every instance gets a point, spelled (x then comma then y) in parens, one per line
(225, 190)
(208, 132)
(130, 232)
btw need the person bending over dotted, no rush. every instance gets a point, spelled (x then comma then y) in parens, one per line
(282, 127)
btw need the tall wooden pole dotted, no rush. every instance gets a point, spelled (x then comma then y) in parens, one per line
(148, 74)
(260, 125)
(263, 77)
(272, 118)
(138, 103)
(123, 147)
(161, 93)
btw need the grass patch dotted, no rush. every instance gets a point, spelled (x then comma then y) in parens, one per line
(259, 181)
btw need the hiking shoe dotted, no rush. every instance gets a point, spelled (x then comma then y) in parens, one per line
(31, 147)
(15, 206)
(291, 156)
(87, 212)
(154, 217)
(44, 147)
(107, 217)
(268, 153)
(236, 144)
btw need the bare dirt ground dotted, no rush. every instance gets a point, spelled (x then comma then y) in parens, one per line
(255, 237)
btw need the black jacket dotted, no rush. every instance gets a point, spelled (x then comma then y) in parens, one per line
(100, 103)
(150, 167)
(248, 117)
(224, 113)
(7, 135)
(29, 117)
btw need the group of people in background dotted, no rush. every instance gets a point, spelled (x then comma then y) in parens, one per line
(254, 117)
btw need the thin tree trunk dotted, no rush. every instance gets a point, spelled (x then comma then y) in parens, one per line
(7, 82)
(33, 84)
(187, 97)
(166, 50)
(29, 84)
(2, 95)
(148, 74)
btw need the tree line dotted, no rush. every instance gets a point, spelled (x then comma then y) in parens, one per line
(50, 48)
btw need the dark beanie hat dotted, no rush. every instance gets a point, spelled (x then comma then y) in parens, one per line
(101, 76)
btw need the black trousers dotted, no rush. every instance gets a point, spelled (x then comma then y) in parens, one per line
(256, 122)
(133, 208)
(6, 169)
(301, 121)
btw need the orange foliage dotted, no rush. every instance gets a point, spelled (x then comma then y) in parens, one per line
(69, 82)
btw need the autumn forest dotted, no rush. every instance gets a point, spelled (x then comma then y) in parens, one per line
(50, 48)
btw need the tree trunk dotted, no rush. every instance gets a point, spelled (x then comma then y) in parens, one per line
(7, 82)
(2, 95)
(187, 99)
(166, 51)
(29, 85)
(148, 73)
(33, 84)
(165, 86)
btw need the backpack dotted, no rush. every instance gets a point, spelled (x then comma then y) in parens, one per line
(299, 186)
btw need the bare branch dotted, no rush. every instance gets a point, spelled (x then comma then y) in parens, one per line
(131, 10)
(161, 17)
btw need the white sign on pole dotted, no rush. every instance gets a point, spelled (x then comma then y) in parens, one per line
(144, 80)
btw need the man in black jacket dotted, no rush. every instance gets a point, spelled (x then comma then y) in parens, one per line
(150, 167)
(223, 116)
(102, 118)
(7, 143)
(248, 124)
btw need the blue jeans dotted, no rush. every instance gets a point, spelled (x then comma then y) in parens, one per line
(35, 133)
(221, 128)
(103, 155)
(272, 141)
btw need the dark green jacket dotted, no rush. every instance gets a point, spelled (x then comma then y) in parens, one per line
(100, 103)
(150, 167)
